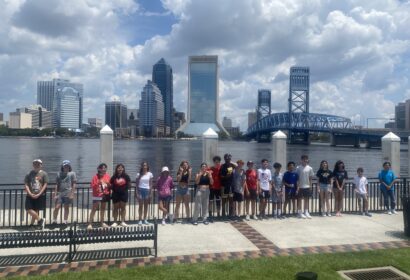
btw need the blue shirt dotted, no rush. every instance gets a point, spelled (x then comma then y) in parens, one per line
(387, 177)
(292, 179)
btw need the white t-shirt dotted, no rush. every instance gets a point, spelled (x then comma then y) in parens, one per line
(264, 177)
(144, 180)
(360, 184)
(305, 173)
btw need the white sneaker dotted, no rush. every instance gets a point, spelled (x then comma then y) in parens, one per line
(323, 214)
(394, 212)
(104, 225)
(308, 215)
(163, 222)
(114, 225)
(90, 227)
(140, 222)
(123, 224)
(255, 217)
(301, 216)
(247, 217)
(146, 222)
(389, 212)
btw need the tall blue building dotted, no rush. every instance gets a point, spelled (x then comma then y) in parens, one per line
(162, 77)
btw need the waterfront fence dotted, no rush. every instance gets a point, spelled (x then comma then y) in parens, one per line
(13, 214)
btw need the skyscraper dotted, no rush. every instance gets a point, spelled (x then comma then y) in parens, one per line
(47, 92)
(115, 114)
(151, 111)
(67, 108)
(162, 77)
(203, 96)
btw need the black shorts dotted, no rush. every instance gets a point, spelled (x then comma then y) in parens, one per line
(304, 193)
(38, 204)
(252, 195)
(264, 194)
(119, 197)
(215, 194)
(238, 197)
(227, 191)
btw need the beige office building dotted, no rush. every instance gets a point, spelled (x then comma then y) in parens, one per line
(20, 120)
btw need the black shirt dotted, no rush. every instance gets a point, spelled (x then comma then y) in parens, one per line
(226, 174)
(339, 176)
(324, 176)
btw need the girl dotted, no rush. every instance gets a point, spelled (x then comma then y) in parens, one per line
(325, 181)
(143, 191)
(164, 186)
(203, 180)
(120, 183)
(340, 178)
(182, 193)
(100, 185)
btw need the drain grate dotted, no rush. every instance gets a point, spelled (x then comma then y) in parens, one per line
(378, 273)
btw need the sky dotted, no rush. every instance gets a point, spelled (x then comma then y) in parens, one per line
(358, 51)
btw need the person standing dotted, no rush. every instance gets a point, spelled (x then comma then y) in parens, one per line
(265, 186)
(203, 181)
(325, 175)
(251, 191)
(277, 191)
(35, 184)
(143, 191)
(387, 179)
(120, 184)
(239, 186)
(225, 175)
(304, 189)
(290, 180)
(100, 185)
(66, 182)
(215, 194)
(164, 185)
(339, 180)
(360, 188)
(182, 193)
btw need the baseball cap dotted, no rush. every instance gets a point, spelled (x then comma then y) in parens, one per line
(165, 168)
(66, 162)
(37, 160)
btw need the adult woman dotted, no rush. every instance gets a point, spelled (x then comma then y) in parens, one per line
(120, 183)
(325, 182)
(203, 180)
(340, 178)
(182, 194)
(100, 185)
(143, 191)
(164, 186)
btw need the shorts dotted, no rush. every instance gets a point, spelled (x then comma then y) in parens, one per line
(227, 191)
(165, 199)
(325, 187)
(181, 191)
(38, 204)
(63, 200)
(215, 194)
(304, 193)
(104, 198)
(276, 198)
(252, 194)
(119, 197)
(143, 194)
(264, 194)
(361, 196)
(238, 197)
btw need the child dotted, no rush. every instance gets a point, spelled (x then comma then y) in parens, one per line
(164, 186)
(360, 184)
(101, 188)
(277, 191)
(290, 180)
(304, 189)
(387, 179)
(264, 185)
(239, 186)
(251, 190)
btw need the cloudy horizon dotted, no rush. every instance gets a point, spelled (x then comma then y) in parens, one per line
(358, 51)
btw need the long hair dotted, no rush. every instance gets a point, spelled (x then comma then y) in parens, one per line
(321, 164)
(142, 168)
(116, 169)
(182, 164)
(339, 162)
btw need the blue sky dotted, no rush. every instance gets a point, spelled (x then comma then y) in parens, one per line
(358, 51)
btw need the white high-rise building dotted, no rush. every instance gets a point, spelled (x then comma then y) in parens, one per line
(66, 108)
(151, 111)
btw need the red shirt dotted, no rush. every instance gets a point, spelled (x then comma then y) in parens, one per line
(251, 179)
(215, 175)
(100, 186)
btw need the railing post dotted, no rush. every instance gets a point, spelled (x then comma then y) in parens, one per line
(209, 145)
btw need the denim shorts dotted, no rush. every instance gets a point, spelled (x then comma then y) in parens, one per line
(325, 187)
(64, 200)
(182, 190)
(143, 193)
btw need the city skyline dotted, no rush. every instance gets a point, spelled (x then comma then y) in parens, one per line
(358, 54)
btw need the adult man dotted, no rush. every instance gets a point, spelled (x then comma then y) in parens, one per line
(35, 184)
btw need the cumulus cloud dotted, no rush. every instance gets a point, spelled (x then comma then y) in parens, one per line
(358, 52)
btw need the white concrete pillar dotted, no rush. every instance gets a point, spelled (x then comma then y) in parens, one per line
(391, 151)
(107, 148)
(209, 146)
(279, 148)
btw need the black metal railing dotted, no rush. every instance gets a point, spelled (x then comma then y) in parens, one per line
(13, 214)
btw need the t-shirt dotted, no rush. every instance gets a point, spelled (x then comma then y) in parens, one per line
(360, 184)
(291, 178)
(324, 176)
(264, 177)
(277, 181)
(36, 180)
(388, 177)
(164, 186)
(144, 180)
(305, 173)
(100, 186)
(65, 182)
(215, 176)
(119, 184)
(339, 177)
(225, 174)
(251, 179)
(239, 178)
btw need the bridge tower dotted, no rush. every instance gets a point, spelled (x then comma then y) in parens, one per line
(262, 110)
(298, 101)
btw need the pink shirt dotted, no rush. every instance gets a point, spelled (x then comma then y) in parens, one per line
(164, 186)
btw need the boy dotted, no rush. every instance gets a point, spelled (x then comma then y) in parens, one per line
(251, 190)
(239, 186)
(264, 185)
(215, 191)
(290, 180)
(277, 191)
(387, 179)
(304, 188)
(225, 176)
(360, 188)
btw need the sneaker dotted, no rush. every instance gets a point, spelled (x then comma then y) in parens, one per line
(163, 222)
(247, 218)
(255, 217)
(301, 216)
(389, 212)
(281, 217)
(104, 225)
(140, 222)
(146, 222)
(195, 223)
(41, 223)
(329, 214)
(308, 215)
(171, 218)
(89, 227)
(323, 214)
(114, 224)
(123, 224)
(206, 222)
(394, 212)
(368, 214)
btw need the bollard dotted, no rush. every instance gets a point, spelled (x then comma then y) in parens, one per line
(209, 146)
(107, 147)
(391, 151)
(279, 148)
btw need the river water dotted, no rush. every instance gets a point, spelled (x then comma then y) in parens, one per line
(16, 155)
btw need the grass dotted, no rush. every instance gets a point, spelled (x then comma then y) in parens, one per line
(281, 268)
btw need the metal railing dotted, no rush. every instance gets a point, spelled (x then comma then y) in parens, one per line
(13, 214)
